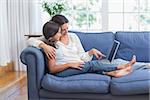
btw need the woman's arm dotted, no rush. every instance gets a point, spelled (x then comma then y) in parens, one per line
(53, 68)
(85, 56)
(35, 42)
(38, 43)
(97, 53)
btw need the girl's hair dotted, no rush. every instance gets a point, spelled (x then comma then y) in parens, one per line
(50, 29)
(60, 19)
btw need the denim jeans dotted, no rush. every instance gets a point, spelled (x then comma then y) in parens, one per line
(95, 66)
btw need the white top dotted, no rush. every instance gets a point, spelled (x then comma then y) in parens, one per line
(35, 42)
(67, 53)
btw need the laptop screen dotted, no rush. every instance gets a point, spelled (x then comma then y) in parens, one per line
(113, 51)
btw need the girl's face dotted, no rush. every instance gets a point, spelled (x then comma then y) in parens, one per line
(57, 36)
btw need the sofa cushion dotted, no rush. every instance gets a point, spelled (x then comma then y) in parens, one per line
(134, 43)
(102, 41)
(135, 83)
(89, 83)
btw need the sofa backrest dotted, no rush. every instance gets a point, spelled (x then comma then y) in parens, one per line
(134, 43)
(102, 41)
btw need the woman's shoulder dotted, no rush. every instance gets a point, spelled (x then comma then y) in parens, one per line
(73, 35)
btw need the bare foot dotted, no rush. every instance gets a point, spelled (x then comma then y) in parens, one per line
(133, 61)
(124, 72)
(121, 72)
(112, 73)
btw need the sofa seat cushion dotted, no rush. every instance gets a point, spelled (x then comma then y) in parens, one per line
(135, 83)
(89, 83)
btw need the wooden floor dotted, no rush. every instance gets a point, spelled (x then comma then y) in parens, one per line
(13, 86)
(20, 94)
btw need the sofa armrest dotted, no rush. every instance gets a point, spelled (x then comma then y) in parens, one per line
(33, 58)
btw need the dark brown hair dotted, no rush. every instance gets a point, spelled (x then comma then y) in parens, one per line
(60, 19)
(49, 30)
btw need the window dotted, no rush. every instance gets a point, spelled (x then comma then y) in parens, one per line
(85, 15)
(106, 15)
(129, 15)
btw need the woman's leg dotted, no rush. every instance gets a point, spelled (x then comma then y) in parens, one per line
(72, 71)
(122, 69)
(133, 61)
(89, 67)
(121, 72)
(97, 67)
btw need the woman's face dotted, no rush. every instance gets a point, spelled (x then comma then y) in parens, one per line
(64, 29)
(57, 36)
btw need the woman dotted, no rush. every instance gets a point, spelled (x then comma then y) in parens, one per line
(71, 59)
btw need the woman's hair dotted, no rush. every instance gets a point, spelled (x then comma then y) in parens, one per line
(60, 19)
(50, 29)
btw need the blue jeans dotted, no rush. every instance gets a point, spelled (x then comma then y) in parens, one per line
(95, 66)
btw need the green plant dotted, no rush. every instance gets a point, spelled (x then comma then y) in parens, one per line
(53, 8)
(82, 17)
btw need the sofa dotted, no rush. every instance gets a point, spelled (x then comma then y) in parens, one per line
(90, 86)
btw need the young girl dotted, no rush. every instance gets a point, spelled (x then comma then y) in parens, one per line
(71, 59)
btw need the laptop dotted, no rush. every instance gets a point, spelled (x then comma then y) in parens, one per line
(112, 53)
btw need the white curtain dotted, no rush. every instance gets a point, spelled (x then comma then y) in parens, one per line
(4, 36)
(22, 17)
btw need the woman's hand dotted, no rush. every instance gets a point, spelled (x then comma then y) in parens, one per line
(77, 65)
(49, 51)
(97, 53)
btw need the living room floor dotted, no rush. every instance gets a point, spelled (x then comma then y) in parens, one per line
(19, 95)
(13, 86)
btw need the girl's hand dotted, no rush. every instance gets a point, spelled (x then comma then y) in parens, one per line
(97, 53)
(49, 51)
(77, 65)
